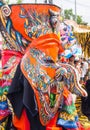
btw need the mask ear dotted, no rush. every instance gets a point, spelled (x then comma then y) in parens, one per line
(54, 18)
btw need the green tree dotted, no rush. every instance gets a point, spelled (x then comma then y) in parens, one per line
(6, 1)
(68, 14)
(79, 19)
(19, 1)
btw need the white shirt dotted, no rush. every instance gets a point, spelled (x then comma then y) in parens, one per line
(85, 68)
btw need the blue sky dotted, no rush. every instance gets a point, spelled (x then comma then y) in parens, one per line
(83, 6)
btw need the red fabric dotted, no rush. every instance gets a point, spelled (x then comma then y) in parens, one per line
(22, 123)
(84, 129)
(52, 124)
(6, 54)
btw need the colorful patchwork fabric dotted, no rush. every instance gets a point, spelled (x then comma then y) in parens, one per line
(68, 116)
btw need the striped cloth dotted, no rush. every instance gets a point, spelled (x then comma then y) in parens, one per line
(82, 118)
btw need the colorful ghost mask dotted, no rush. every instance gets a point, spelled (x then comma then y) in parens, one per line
(40, 65)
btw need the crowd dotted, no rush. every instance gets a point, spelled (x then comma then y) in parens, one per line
(82, 104)
(82, 66)
(32, 95)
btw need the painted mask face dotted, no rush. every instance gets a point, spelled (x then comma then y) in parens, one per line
(47, 75)
(21, 24)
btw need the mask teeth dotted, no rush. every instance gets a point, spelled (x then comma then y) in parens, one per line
(52, 85)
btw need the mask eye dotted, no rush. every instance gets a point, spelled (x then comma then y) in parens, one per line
(48, 61)
(65, 28)
(63, 38)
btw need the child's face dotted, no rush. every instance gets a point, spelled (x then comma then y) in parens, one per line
(86, 78)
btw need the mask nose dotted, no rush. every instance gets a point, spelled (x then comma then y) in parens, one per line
(60, 74)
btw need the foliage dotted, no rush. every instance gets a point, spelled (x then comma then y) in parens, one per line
(14, 1)
(68, 14)
(6, 1)
(79, 19)
(19, 1)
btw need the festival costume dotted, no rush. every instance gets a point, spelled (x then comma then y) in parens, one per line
(18, 34)
(41, 57)
(39, 75)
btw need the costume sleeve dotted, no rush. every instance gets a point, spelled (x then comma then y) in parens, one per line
(86, 100)
(29, 99)
(15, 93)
(21, 94)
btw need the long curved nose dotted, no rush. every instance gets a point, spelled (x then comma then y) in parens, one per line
(81, 90)
(61, 72)
(77, 86)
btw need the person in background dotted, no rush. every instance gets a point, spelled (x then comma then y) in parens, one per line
(88, 72)
(78, 66)
(78, 102)
(71, 60)
(86, 101)
(82, 73)
(85, 67)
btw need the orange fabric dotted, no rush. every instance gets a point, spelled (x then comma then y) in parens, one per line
(22, 123)
(54, 128)
(66, 92)
(50, 71)
(49, 43)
